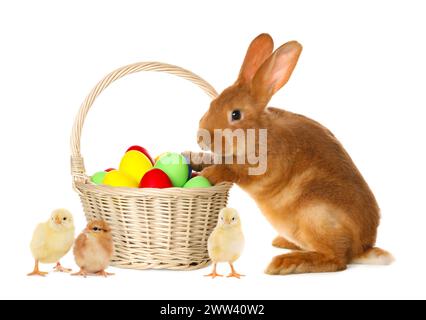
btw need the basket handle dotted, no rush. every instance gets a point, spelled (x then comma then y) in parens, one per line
(77, 163)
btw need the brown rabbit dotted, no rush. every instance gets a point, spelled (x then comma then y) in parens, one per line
(313, 194)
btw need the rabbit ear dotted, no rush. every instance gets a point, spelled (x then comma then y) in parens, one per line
(259, 50)
(275, 72)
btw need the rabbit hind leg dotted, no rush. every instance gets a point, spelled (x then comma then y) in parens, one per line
(328, 240)
(304, 262)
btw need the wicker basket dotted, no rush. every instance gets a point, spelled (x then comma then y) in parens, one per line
(152, 228)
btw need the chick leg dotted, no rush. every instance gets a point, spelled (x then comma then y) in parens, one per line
(103, 273)
(233, 273)
(36, 271)
(82, 273)
(214, 274)
(60, 268)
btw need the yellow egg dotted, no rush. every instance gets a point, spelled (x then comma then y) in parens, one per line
(116, 178)
(135, 164)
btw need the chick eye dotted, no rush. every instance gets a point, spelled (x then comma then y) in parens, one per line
(236, 115)
(233, 219)
(95, 229)
(65, 219)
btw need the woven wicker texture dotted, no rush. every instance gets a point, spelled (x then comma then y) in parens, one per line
(152, 228)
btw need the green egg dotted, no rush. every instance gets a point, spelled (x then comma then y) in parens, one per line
(98, 177)
(198, 182)
(175, 166)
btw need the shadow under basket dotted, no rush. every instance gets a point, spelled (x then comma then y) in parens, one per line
(151, 228)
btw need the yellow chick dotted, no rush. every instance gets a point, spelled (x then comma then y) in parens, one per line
(226, 242)
(52, 240)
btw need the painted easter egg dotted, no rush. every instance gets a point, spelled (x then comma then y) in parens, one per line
(189, 171)
(194, 174)
(198, 182)
(135, 164)
(155, 178)
(159, 156)
(142, 150)
(175, 166)
(98, 177)
(117, 178)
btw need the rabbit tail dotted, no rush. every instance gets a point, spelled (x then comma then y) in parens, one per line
(374, 256)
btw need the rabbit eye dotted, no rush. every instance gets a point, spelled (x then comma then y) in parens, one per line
(236, 115)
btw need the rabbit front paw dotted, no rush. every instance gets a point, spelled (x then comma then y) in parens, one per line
(217, 173)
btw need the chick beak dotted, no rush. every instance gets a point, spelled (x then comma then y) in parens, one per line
(57, 220)
(86, 231)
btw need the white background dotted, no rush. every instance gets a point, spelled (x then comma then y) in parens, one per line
(362, 74)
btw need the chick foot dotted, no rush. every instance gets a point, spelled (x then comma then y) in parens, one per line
(37, 272)
(214, 274)
(103, 273)
(60, 268)
(233, 273)
(81, 273)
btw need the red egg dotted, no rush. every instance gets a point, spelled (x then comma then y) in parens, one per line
(194, 174)
(143, 150)
(155, 178)
(109, 169)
